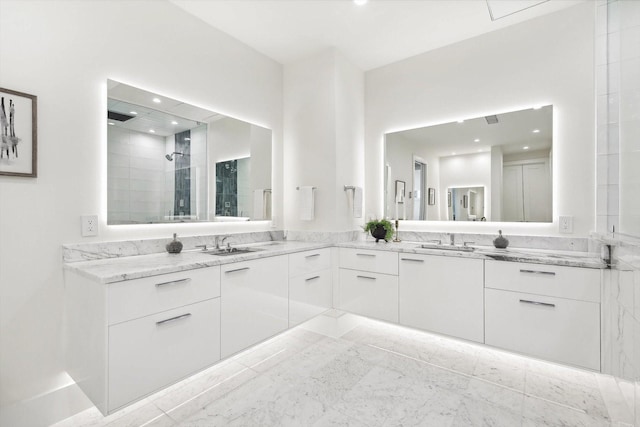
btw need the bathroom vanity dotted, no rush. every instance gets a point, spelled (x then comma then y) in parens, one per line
(140, 323)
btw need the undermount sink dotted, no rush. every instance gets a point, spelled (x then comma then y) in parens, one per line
(448, 247)
(231, 251)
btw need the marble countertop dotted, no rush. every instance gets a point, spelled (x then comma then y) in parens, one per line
(534, 256)
(111, 270)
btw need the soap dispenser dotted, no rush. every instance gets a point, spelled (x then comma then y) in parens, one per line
(500, 242)
(174, 246)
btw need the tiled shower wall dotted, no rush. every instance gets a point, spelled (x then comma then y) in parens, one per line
(618, 190)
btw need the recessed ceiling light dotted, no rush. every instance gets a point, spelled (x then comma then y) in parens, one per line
(152, 131)
(174, 122)
(111, 123)
(476, 140)
(157, 100)
(360, 2)
(133, 112)
(525, 148)
(536, 131)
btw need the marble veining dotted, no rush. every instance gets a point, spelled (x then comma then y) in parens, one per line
(375, 374)
(101, 250)
(535, 256)
(578, 244)
(135, 267)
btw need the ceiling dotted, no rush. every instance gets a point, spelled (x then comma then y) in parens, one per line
(372, 35)
(163, 118)
(513, 132)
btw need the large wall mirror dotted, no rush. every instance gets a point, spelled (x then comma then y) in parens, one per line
(492, 168)
(169, 161)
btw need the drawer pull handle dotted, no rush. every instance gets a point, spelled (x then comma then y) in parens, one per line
(366, 277)
(371, 255)
(546, 304)
(237, 269)
(550, 273)
(173, 319)
(311, 256)
(173, 282)
(411, 259)
(311, 278)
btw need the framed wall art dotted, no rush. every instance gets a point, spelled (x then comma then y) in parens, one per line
(19, 131)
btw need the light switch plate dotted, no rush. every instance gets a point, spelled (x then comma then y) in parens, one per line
(566, 224)
(89, 225)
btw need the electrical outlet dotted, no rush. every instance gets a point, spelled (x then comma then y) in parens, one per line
(89, 225)
(566, 224)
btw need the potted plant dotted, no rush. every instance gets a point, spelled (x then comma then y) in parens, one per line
(380, 229)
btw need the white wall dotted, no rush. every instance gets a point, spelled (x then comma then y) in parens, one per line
(472, 170)
(82, 44)
(548, 60)
(399, 155)
(324, 113)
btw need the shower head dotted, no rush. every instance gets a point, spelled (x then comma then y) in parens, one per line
(170, 156)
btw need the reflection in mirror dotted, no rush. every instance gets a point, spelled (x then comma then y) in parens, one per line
(162, 161)
(500, 164)
(465, 204)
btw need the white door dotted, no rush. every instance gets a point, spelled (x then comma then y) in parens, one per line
(536, 192)
(512, 203)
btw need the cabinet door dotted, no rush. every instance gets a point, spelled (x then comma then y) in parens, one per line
(442, 294)
(255, 302)
(558, 329)
(369, 294)
(309, 295)
(152, 352)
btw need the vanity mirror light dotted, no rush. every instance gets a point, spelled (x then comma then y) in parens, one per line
(169, 161)
(492, 168)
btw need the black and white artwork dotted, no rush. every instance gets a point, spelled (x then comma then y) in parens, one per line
(18, 126)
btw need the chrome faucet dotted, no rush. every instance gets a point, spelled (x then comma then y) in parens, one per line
(228, 244)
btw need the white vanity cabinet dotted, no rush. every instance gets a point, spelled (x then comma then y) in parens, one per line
(129, 339)
(310, 284)
(255, 302)
(442, 294)
(369, 283)
(548, 311)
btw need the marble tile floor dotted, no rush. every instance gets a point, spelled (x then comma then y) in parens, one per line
(344, 370)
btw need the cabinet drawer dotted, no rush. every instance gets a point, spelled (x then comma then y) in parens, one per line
(309, 295)
(442, 294)
(309, 261)
(384, 262)
(137, 298)
(369, 294)
(152, 352)
(551, 280)
(255, 302)
(557, 329)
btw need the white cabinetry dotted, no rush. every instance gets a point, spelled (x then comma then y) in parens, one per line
(255, 303)
(552, 312)
(129, 339)
(369, 283)
(442, 294)
(310, 284)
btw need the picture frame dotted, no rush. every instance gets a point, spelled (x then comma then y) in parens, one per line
(19, 133)
(432, 196)
(400, 191)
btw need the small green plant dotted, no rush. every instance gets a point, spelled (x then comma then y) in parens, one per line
(374, 223)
